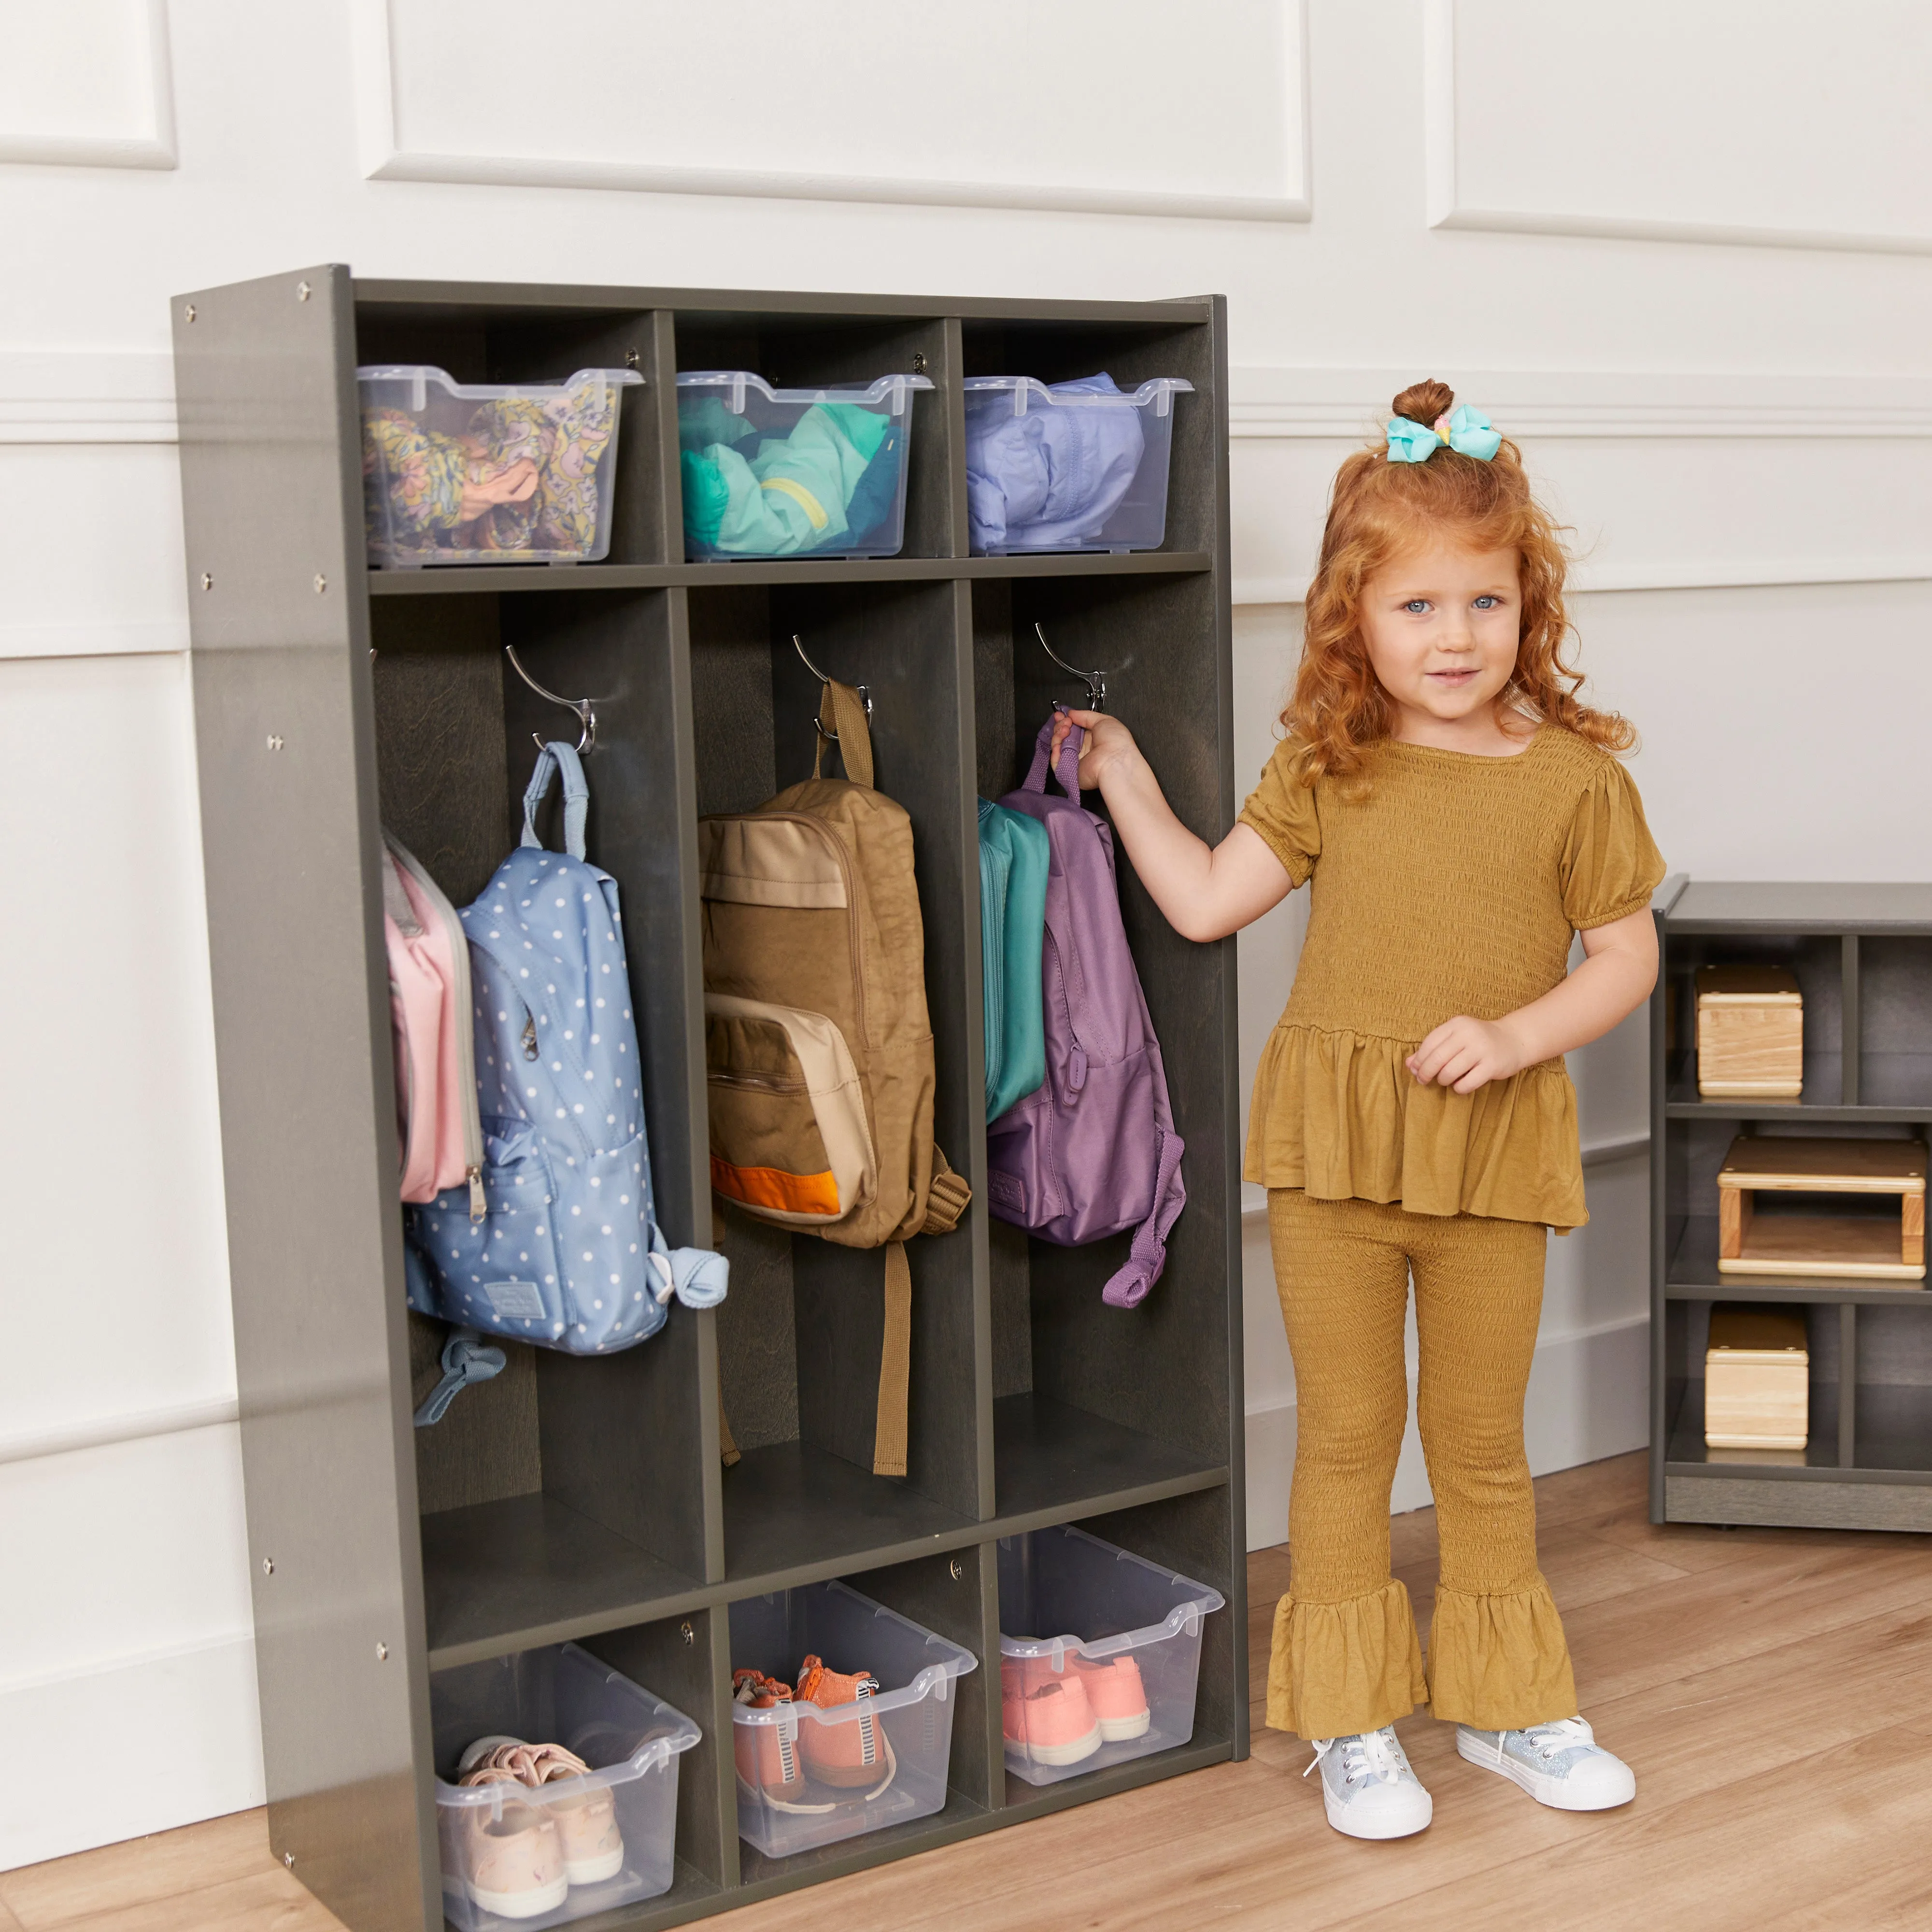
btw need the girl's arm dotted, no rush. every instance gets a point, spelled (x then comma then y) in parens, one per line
(1617, 972)
(1206, 892)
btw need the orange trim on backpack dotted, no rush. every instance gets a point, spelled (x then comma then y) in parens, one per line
(773, 1187)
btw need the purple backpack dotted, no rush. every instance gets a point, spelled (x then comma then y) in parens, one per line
(1093, 1151)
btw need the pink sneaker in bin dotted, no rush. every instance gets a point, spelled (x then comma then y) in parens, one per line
(592, 1845)
(1113, 1689)
(513, 1861)
(1048, 1719)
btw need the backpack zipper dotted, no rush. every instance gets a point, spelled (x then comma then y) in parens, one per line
(764, 1083)
(1076, 1064)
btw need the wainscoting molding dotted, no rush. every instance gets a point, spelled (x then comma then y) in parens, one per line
(155, 148)
(1444, 102)
(386, 157)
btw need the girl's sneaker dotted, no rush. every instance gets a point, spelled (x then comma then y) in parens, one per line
(767, 1754)
(846, 1755)
(1560, 1764)
(512, 1855)
(1367, 1788)
(1114, 1688)
(592, 1845)
(1051, 1723)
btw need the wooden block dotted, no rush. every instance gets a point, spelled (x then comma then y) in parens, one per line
(1750, 1033)
(1756, 1380)
(1913, 1243)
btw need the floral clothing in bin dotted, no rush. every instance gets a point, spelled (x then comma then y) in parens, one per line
(427, 471)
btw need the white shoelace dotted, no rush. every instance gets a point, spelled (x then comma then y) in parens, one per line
(1370, 1754)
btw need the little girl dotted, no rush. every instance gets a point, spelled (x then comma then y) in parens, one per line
(1460, 815)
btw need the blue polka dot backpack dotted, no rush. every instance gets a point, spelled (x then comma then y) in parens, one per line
(560, 1246)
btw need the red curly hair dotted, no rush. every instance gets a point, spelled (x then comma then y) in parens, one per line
(1380, 510)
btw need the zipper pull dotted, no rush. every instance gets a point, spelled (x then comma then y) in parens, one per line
(1076, 1070)
(478, 1206)
(529, 1037)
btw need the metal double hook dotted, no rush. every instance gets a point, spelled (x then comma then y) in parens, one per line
(586, 717)
(1095, 681)
(817, 723)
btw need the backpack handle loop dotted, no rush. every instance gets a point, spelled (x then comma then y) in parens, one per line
(841, 716)
(558, 757)
(1068, 770)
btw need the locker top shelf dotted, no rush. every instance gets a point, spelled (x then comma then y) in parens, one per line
(1726, 906)
(549, 298)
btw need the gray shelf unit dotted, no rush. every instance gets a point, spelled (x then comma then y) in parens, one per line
(586, 1500)
(1863, 957)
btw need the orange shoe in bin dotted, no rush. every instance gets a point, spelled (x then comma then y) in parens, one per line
(844, 1755)
(1050, 1720)
(767, 1754)
(1114, 1688)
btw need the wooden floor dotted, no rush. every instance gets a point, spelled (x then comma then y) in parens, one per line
(1773, 1689)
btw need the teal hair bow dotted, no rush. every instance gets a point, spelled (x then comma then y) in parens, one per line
(1470, 433)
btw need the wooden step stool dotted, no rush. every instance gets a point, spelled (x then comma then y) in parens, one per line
(1831, 1245)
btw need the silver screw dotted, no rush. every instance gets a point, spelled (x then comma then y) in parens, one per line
(685, 1630)
(303, 291)
(187, 312)
(918, 362)
(382, 1653)
(321, 583)
(274, 741)
(632, 358)
(958, 1569)
(267, 1566)
(207, 580)
(288, 1859)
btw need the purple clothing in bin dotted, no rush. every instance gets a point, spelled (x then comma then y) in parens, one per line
(1049, 476)
(1094, 1152)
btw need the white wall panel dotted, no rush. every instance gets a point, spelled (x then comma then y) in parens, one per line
(1776, 121)
(116, 1279)
(1081, 106)
(86, 82)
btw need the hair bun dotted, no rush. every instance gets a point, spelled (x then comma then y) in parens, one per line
(1423, 402)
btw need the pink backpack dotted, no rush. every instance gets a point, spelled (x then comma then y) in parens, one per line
(437, 1124)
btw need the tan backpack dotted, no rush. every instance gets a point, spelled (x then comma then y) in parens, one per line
(818, 1049)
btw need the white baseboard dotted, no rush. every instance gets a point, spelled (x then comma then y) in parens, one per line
(1588, 1398)
(153, 1742)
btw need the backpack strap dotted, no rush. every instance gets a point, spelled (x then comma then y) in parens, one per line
(889, 1432)
(466, 1358)
(949, 1197)
(1068, 769)
(841, 718)
(1148, 1254)
(555, 757)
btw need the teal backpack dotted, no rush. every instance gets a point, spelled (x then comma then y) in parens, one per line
(1012, 934)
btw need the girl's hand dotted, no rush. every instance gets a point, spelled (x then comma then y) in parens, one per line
(1108, 743)
(1465, 1054)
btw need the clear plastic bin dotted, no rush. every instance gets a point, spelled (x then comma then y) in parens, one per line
(1119, 1683)
(1071, 466)
(892, 1769)
(792, 473)
(632, 1741)
(488, 472)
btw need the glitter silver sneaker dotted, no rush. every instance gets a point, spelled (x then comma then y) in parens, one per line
(1561, 1764)
(1367, 1788)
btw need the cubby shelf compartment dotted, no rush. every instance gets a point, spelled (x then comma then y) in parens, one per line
(587, 1501)
(1864, 955)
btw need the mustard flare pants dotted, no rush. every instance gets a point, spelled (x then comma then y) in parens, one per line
(1345, 1656)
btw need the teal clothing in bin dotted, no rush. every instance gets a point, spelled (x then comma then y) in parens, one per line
(1013, 858)
(794, 493)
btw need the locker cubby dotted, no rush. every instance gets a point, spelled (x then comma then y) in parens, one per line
(793, 351)
(1862, 955)
(588, 1500)
(1085, 1393)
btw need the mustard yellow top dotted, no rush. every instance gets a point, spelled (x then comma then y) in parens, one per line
(1453, 886)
